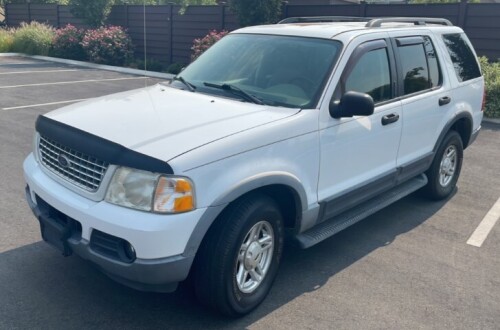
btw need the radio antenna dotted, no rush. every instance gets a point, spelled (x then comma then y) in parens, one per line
(145, 45)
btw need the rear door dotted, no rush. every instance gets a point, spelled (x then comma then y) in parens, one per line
(425, 98)
(465, 75)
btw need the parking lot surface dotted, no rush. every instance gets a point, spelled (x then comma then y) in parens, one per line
(406, 267)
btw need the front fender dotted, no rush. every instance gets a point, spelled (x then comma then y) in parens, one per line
(262, 180)
(236, 191)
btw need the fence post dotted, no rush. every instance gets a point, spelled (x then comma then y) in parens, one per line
(284, 9)
(58, 20)
(171, 32)
(362, 9)
(222, 15)
(29, 12)
(462, 12)
(126, 16)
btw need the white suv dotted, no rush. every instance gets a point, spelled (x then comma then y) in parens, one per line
(309, 125)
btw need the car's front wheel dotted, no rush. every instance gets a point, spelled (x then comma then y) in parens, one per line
(239, 258)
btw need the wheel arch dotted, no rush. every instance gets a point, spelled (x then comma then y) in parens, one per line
(462, 124)
(283, 188)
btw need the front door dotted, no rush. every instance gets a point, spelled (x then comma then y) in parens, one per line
(358, 154)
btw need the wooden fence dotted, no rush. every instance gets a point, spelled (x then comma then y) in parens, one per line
(170, 34)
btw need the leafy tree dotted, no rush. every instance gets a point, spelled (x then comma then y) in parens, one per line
(254, 12)
(60, 2)
(183, 3)
(93, 12)
(165, 2)
(441, 1)
(136, 2)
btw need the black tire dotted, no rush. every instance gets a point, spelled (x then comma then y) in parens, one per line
(435, 189)
(216, 260)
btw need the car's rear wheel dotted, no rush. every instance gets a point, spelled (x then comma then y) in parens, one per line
(239, 258)
(445, 169)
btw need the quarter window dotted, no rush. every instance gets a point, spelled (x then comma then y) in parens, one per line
(463, 58)
(432, 60)
(371, 75)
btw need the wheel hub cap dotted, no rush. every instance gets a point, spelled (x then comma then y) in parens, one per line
(252, 255)
(448, 166)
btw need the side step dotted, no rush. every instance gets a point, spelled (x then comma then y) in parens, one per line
(340, 222)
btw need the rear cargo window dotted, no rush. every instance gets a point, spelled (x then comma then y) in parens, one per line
(463, 58)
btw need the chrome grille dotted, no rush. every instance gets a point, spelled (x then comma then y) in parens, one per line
(83, 170)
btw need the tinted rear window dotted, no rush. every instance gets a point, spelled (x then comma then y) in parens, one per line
(414, 68)
(463, 58)
(420, 69)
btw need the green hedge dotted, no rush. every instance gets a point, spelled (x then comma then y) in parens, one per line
(491, 72)
(33, 39)
(108, 45)
(6, 40)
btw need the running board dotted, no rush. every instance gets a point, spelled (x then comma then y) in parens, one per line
(340, 222)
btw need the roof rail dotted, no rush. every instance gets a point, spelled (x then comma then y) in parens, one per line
(377, 22)
(320, 19)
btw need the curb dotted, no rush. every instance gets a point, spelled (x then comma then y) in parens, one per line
(118, 69)
(491, 121)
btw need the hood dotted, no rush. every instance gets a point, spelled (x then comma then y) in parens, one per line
(181, 120)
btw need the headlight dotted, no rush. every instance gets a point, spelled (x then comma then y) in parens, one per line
(151, 192)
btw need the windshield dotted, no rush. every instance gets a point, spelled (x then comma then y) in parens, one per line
(277, 70)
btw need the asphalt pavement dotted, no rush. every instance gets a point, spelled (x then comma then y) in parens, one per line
(406, 267)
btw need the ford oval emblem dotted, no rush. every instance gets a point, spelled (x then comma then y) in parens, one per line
(63, 161)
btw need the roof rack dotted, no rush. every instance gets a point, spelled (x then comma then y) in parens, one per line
(377, 22)
(324, 19)
(371, 22)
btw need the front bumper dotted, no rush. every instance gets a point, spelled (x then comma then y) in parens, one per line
(159, 241)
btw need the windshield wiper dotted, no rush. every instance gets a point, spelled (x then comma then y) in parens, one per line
(190, 86)
(235, 90)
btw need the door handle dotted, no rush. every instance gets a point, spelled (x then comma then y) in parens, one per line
(389, 119)
(444, 100)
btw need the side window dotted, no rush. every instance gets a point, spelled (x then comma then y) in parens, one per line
(419, 64)
(414, 68)
(432, 61)
(463, 58)
(371, 75)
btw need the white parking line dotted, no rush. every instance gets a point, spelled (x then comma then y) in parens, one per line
(42, 104)
(41, 71)
(479, 235)
(72, 82)
(24, 63)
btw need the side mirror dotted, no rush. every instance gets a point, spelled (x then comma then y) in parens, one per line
(352, 104)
